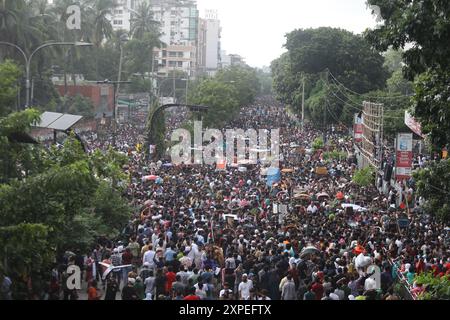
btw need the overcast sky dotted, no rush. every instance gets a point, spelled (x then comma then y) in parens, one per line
(255, 29)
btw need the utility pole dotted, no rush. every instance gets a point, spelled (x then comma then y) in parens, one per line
(187, 88)
(174, 87)
(28, 60)
(325, 115)
(303, 105)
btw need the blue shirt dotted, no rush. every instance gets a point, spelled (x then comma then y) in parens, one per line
(169, 255)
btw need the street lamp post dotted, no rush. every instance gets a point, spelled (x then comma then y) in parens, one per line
(123, 39)
(28, 60)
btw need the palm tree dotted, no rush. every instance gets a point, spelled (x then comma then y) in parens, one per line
(142, 21)
(98, 13)
(18, 26)
(98, 26)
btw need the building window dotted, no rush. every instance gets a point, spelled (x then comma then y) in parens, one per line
(118, 11)
(172, 54)
(172, 63)
(180, 55)
(180, 64)
(117, 22)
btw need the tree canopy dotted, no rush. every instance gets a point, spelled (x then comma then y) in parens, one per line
(54, 200)
(328, 60)
(422, 28)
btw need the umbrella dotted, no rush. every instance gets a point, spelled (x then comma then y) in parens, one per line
(340, 196)
(354, 206)
(149, 178)
(352, 224)
(167, 165)
(147, 203)
(302, 196)
(323, 195)
(244, 203)
(291, 226)
(359, 250)
(287, 170)
(362, 261)
(309, 250)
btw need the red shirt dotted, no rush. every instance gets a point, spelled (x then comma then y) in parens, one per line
(171, 277)
(92, 294)
(191, 297)
(127, 257)
(317, 288)
(420, 267)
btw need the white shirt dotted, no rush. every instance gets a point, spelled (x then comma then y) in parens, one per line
(149, 284)
(149, 255)
(311, 209)
(201, 292)
(244, 289)
(222, 292)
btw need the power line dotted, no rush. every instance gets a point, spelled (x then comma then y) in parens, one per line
(354, 105)
(328, 108)
(360, 94)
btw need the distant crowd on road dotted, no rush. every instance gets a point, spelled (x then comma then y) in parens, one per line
(200, 233)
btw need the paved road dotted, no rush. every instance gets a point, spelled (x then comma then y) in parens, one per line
(82, 294)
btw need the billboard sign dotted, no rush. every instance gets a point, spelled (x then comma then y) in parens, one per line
(357, 129)
(404, 155)
(413, 124)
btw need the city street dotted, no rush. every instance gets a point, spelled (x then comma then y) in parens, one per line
(199, 150)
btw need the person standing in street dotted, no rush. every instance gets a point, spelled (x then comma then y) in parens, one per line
(288, 291)
(93, 292)
(129, 292)
(112, 286)
(244, 288)
(5, 287)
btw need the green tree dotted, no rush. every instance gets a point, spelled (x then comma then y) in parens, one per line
(347, 56)
(425, 25)
(312, 54)
(53, 200)
(78, 105)
(17, 160)
(244, 80)
(266, 81)
(142, 22)
(9, 73)
(364, 177)
(221, 98)
(99, 11)
(433, 183)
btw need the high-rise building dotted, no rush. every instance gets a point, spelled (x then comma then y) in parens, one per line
(212, 45)
(121, 15)
(190, 44)
(225, 59)
(237, 60)
(179, 35)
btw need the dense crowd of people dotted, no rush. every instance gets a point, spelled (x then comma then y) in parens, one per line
(203, 233)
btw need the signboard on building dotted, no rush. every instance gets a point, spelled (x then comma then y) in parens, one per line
(404, 155)
(357, 129)
(413, 124)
